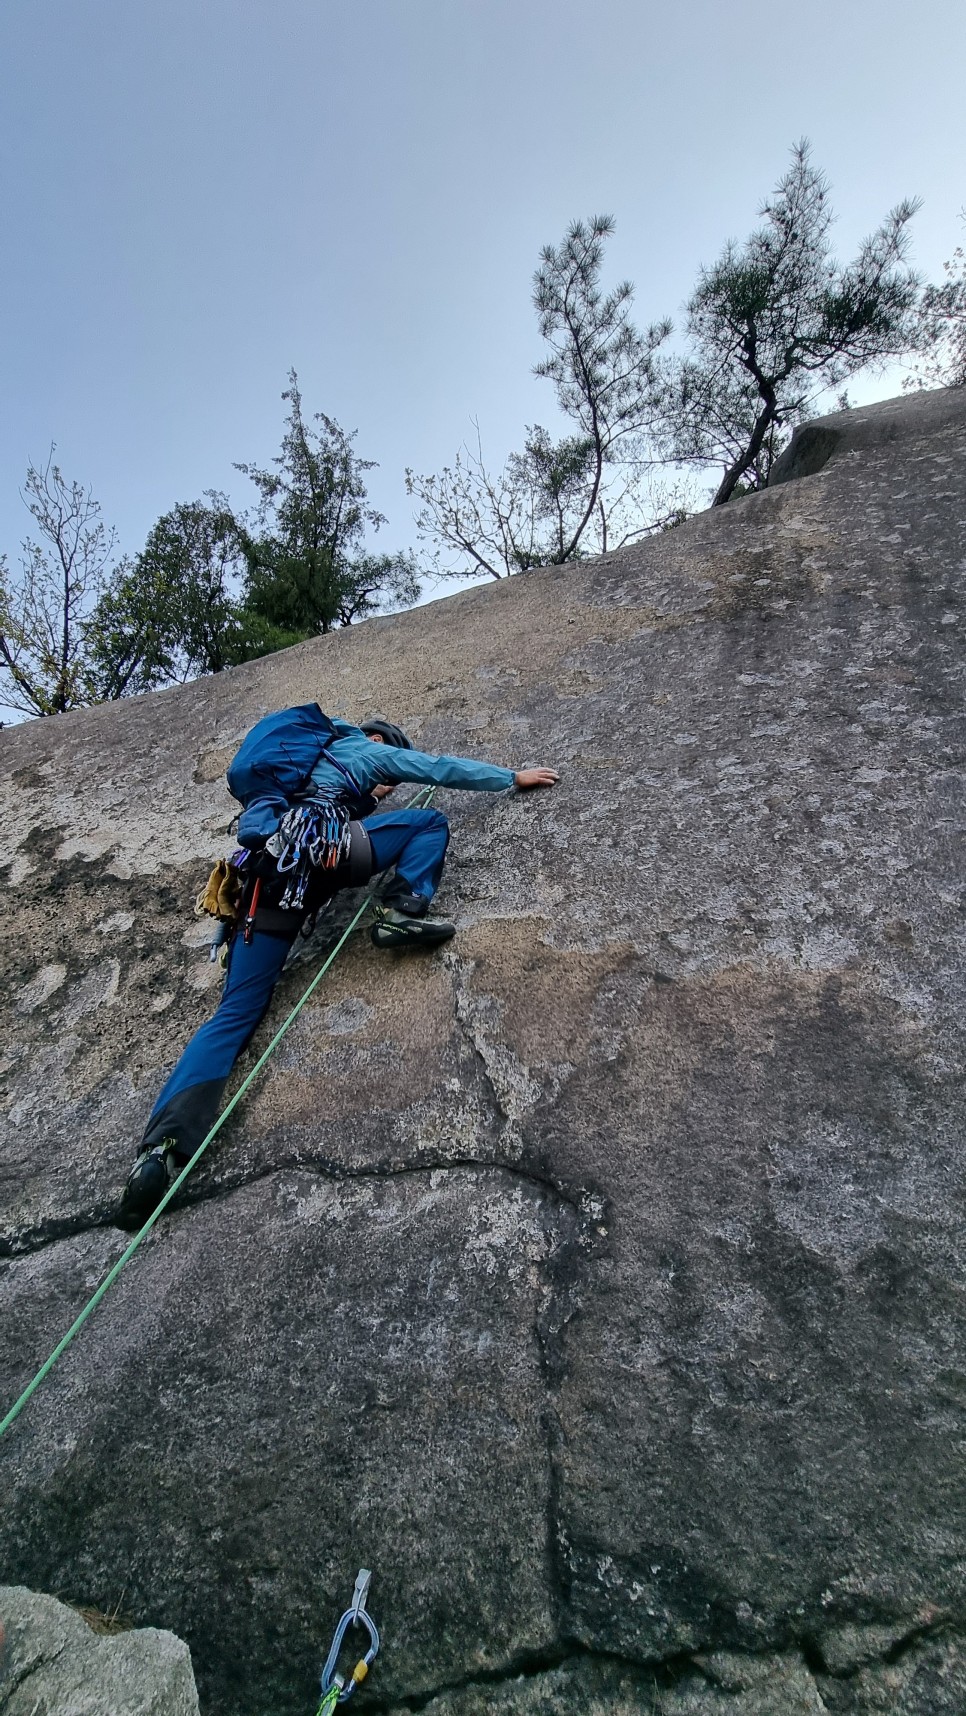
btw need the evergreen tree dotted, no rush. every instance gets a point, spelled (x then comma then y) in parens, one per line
(557, 500)
(305, 569)
(173, 613)
(777, 321)
(212, 588)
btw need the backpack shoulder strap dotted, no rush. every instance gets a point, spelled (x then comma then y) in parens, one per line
(354, 787)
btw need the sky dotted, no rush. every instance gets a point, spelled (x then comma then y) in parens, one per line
(198, 195)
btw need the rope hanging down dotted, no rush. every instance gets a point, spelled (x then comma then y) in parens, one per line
(128, 1252)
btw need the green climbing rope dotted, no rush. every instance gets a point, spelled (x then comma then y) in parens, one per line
(129, 1250)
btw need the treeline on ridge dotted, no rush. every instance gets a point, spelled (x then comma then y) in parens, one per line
(774, 327)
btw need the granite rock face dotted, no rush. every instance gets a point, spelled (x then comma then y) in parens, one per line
(598, 1280)
(52, 1664)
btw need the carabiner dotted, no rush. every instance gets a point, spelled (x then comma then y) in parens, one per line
(288, 858)
(354, 1616)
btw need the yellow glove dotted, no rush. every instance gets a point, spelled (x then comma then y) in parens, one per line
(221, 895)
(230, 892)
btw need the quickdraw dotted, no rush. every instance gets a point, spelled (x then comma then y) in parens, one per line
(310, 837)
(335, 1688)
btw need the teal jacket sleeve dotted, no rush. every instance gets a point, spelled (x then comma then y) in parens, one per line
(370, 765)
(395, 766)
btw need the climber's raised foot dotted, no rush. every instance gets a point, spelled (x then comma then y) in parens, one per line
(397, 929)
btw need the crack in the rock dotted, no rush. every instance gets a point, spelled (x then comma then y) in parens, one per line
(27, 1672)
(470, 1036)
(469, 1039)
(922, 1632)
(928, 1631)
(36, 1238)
(551, 1320)
(662, 1673)
(551, 1317)
(54, 1231)
(812, 1657)
(9, 1687)
(526, 1665)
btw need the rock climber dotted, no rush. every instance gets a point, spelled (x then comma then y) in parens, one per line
(359, 766)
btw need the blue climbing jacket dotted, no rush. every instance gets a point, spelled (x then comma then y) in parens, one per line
(300, 753)
(369, 765)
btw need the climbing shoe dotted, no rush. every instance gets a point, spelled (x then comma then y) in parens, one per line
(396, 897)
(400, 930)
(149, 1179)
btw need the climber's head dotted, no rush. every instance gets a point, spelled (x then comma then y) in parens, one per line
(386, 733)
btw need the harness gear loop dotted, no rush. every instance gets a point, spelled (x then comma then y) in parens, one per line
(355, 1615)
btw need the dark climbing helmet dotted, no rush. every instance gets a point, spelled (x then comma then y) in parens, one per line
(392, 734)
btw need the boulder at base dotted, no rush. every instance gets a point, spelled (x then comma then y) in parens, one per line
(53, 1664)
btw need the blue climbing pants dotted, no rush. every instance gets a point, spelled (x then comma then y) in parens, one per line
(414, 841)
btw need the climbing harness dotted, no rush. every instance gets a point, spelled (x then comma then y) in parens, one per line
(425, 795)
(335, 1689)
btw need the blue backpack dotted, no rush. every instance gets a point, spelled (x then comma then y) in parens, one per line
(273, 766)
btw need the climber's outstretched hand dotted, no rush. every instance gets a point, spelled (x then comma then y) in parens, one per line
(527, 778)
